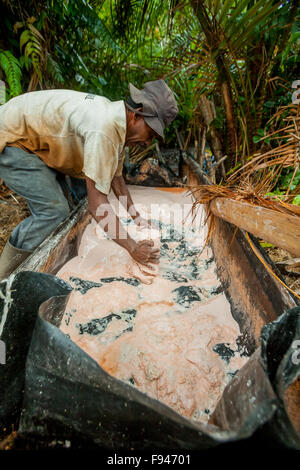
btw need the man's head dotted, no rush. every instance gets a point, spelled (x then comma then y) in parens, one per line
(148, 112)
(137, 130)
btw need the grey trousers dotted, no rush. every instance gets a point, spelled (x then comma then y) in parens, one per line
(27, 175)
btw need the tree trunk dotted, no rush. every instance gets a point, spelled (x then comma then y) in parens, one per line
(227, 97)
(207, 113)
(209, 31)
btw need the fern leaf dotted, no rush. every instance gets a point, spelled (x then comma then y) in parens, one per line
(24, 38)
(13, 74)
(31, 40)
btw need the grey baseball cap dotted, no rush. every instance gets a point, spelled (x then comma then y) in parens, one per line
(159, 104)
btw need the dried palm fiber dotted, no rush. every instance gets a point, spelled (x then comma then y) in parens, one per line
(260, 174)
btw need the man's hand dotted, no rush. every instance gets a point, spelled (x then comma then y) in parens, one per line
(143, 252)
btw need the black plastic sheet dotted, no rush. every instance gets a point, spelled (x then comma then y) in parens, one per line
(20, 297)
(281, 354)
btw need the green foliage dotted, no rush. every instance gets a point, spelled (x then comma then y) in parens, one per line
(31, 43)
(100, 46)
(260, 134)
(266, 244)
(13, 73)
(288, 180)
(285, 180)
(296, 200)
(55, 70)
(63, 43)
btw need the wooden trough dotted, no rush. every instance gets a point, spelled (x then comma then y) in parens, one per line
(256, 300)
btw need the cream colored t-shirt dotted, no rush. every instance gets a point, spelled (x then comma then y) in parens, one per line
(73, 132)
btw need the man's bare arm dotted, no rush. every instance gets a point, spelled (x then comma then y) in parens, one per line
(119, 187)
(110, 223)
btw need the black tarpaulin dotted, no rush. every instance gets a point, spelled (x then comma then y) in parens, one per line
(67, 395)
(20, 298)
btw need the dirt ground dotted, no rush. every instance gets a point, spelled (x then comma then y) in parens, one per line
(277, 255)
(13, 209)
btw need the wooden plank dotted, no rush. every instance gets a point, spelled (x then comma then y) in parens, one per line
(52, 253)
(280, 229)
